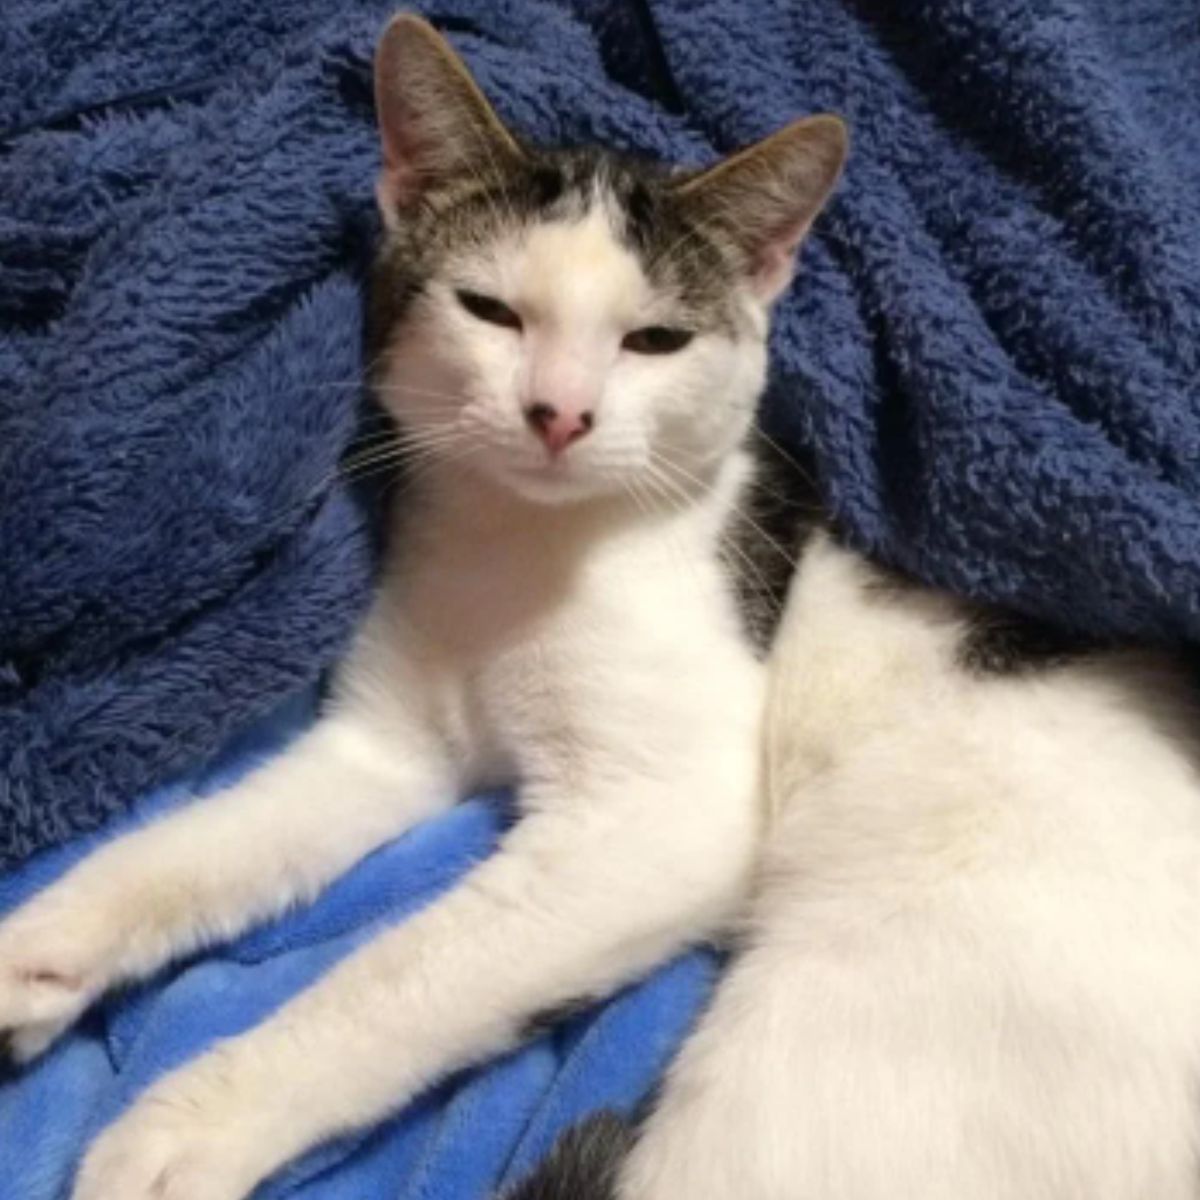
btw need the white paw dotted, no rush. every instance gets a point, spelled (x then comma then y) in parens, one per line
(176, 1143)
(56, 955)
(26, 1042)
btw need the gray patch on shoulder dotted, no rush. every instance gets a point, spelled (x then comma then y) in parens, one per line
(584, 1164)
(1000, 642)
(996, 642)
(778, 512)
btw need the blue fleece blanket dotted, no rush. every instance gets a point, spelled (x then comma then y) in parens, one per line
(992, 347)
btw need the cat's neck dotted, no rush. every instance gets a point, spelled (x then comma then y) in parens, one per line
(475, 567)
(452, 503)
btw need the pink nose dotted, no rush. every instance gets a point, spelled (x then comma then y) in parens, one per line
(556, 428)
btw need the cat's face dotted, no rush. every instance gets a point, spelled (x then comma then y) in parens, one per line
(569, 323)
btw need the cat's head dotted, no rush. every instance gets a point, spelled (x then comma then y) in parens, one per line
(572, 323)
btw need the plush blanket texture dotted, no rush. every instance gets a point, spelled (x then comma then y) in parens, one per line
(992, 347)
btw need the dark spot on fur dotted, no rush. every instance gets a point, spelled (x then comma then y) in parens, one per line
(999, 642)
(550, 1019)
(777, 514)
(640, 215)
(548, 184)
(584, 1164)
(995, 641)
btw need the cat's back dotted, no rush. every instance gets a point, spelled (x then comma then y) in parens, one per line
(967, 727)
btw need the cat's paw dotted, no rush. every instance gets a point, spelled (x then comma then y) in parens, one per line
(21, 1045)
(174, 1144)
(56, 955)
(144, 1159)
(188, 1138)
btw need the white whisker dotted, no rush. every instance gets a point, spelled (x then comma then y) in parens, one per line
(681, 471)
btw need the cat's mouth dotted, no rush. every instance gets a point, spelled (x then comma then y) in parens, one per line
(548, 468)
(555, 479)
(552, 475)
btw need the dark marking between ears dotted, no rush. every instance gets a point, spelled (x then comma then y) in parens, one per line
(584, 1164)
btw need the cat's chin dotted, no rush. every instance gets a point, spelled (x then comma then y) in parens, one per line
(547, 488)
(553, 484)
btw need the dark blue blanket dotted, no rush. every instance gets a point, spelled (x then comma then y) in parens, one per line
(993, 347)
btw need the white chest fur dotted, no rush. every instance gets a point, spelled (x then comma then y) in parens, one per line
(538, 640)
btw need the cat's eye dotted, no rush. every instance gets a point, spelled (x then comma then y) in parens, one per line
(488, 308)
(656, 339)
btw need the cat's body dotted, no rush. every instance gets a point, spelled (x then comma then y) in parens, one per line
(967, 970)
(970, 970)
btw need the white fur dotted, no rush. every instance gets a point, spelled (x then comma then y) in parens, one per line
(539, 623)
(973, 970)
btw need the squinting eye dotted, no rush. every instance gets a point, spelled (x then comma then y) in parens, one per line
(489, 309)
(656, 339)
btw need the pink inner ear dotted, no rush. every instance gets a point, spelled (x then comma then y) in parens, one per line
(400, 177)
(395, 187)
(776, 262)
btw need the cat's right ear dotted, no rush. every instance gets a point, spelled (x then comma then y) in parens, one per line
(434, 122)
(763, 200)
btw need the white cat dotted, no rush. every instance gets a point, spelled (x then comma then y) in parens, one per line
(573, 346)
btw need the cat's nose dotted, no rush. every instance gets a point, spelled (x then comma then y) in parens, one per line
(558, 428)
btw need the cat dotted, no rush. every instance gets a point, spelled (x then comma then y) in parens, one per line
(969, 967)
(962, 850)
(573, 346)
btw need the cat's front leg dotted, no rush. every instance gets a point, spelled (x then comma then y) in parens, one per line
(209, 870)
(578, 901)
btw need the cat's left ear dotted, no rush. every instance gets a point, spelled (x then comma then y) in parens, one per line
(434, 122)
(763, 199)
